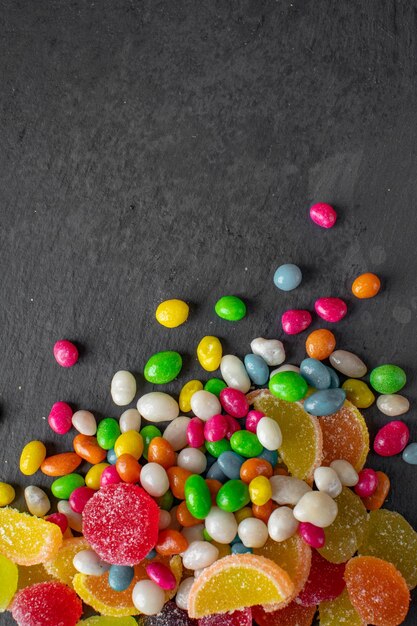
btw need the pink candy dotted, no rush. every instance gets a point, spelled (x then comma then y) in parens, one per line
(195, 433)
(232, 426)
(234, 402)
(109, 476)
(312, 535)
(295, 321)
(392, 438)
(252, 420)
(237, 618)
(59, 519)
(59, 418)
(367, 484)
(65, 353)
(79, 498)
(323, 215)
(330, 309)
(216, 428)
(161, 575)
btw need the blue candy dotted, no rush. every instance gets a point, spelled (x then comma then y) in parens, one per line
(334, 378)
(315, 373)
(239, 548)
(230, 463)
(216, 472)
(111, 457)
(287, 277)
(151, 555)
(325, 402)
(410, 454)
(257, 369)
(120, 577)
(269, 455)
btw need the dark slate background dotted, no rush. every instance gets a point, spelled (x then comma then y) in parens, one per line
(171, 149)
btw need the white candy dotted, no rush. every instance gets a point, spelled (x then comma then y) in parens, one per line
(198, 572)
(234, 373)
(285, 368)
(154, 479)
(221, 525)
(130, 420)
(316, 507)
(253, 532)
(176, 432)
(158, 406)
(271, 350)
(348, 363)
(269, 433)
(183, 592)
(123, 388)
(287, 489)
(192, 459)
(199, 554)
(164, 519)
(347, 474)
(393, 404)
(75, 520)
(84, 422)
(88, 562)
(328, 481)
(205, 404)
(148, 597)
(282, 524)
(194, 533)
(37, 501)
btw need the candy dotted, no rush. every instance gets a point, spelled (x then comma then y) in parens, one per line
(253, 532)
(233, 426)
(325, 581)
(84, 422)
(62, 565)
(234, 373)
(295, 321)
(161, 575)
(345, 436)
(366, 286)
(245, 443)
(288, 489)
(215, 385)
(154, 479)
(315, 373)
(60, 464)
(339, 611)
(205, 404)
(287, 367)
(252, 419)
(110, 476)
(37, 501)
(320, 344)
(7, 494)
(292, 615)
(172, 313)
(177, 477)
(330, 309)
(269, 433)
(377, 499)
(88, 562)
(236, 581)
(197, 496)
(195, 533)
(123, 388)
(393, 404)
(256, 368)
(63, 487)
(74, 519)
(148, 597)
(93, 476)
(162, 367)
(367, 483)
(388, 379)
(328, 481)
(392, 438)
(130, 420)
(325, 402)
(282, 524)
(316, 507)
(31, 458)
(171, 615)
(120, 577)
(59, 519)
(195, 432)
(230, 308)
(323, 215)
(348, 364)
(234, 402)
(157, 406)
(216, 428)
(48, 604)
(271, 350)
(170, 542)
(334, 378)
(221, 525)
(101, 620)
(187, 392)
(288, 386)
(377, 591)
(108, 432)
(209, 353)
(192, 460)
(252, 468)
(347, 474)
(260, 490)
(312, 535)
(237, 618)
(232, 496)
(410, 454)
(130, 442)
(176, 432)
(87, 448)
(65, 353)
(199, 554)
(32, 574)
(287, 277)
(113, 519)
(358, 393)
(8, 582)
(59, 418)
(79, 498)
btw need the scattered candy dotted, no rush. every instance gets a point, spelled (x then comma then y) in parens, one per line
(316, 507)
(358, 393)
(65, 353)
(123, 388)
(129, 420)
(234, 373)
(366, 286)
(388, 379)
(323, 215)
(162, 367)
(37, 501)
(7, 494)
(48, 604)
(157, 406)
(88, 562)
(295, 321)
(61, 464)
(330, 309)
(230, 308)
(320, 344)
(393, 405)
(328, 481)
(288, 386)
(345, 436)
(209, 353)
(348, 364)
(59, 418)
(325, 402)
(85, 423)
(32, 457)
(367, 483)
(172, 313)
(392, 438)
(287, 277)
(271, 350)
(27, 540)
(257, 369)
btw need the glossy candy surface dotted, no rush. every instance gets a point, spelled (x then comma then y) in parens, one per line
(63, 487)
(108, 432)
(323, 215)
(257, 369)
(348, 364)
(158, 406)
(271, 350)
(163, 367)
(172, 313)
(325, 402)
(315, 373)
(320, 344)
(59, 418)
(295, 321)
(65, 353)
(288, 386)
(230, 308)
(367, 483)
(187, 391)
(32, 457)
(60, 464)
(287, 277)
(234, 373)
(330, 309)
(392, 438)
(358, 393)
(7, 494)
(366, 286)
(393, 404)
(123, 388)
(388, 379)
(209, 353)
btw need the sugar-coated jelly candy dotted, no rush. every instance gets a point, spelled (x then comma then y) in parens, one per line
(287, 277)
(172, 313)
(392, 438)
(85, 422)
(345, 436)
(123, 388)
(48, 603)
(315, 373)
(366, 285)
(102, 620)
(62, 565)
(316, 507)
(8, 582)
(393, 404)
(295, 321)
(320, 344)
(288, 386)
(158, 406)
(234, 373)
(7, 494)
(237, 618)
(230, 308)
(292, 615)
(325, 581)
(325, 402)
(330, 309)
(327, 480)
(339, 611)
(271, 350)
(37, 501)
(388, 379)
(60, 464)
(59, 418)
(323, 215)
(358, 393)
(27, 540)
(31, 458)
(377, 591)
(348, 364)
(170, 615)
(209, 353)
(148, 597)
(65, 353)
(108, 432)
(367, 483)
(163, 367)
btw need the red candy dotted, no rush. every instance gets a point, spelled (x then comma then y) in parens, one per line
(330, 309)
(295, 321)
(323, 215)
(46, 604)
(79, 498)
(252, 420)
(65, 353)
(120, 522)
(59, 418)
(59, 519)
(232, 426)
(312, 535)
(216, 428)
(325, 581)
(367, 483)
(392, 438)
(237, 618)
(234, 402)
(292, 615)
(110, 476)
(195, 433)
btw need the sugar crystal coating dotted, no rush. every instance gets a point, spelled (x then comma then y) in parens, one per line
(27, 540)
(292, 615)
(48, 603)
(325, 581)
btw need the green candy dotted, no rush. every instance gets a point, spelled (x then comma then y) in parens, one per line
(246, 444)
(215, 385)
(163, 367)
(288, 386)
(233, 496)
(216, 448)
(108, 431)
(197, 496)
(206, 535)
(166, 501)
(230, 308)
(148, 433)
(388, 379)
(63, 487)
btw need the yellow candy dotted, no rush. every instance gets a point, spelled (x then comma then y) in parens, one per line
(7, 494)
(31, 575)
(101, 620)
(260, 490)
(209, 353)
(223, 548)
(172, 313)
(339, 611)
(92, 478)
(358, 393)
(8, 582)
(130, 442)
(61, 567)
(187, 392)
(33, 454)
(27, 540)
(243, 514)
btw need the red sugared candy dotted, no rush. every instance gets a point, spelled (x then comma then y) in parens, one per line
(120, 522)
(60, 418)
(392, 438)
(292, 615)
(325, 581)
(46, 604)
(323, 215)
(330, 309)
(295, 321)
(65, 353)
(367, 483)
(234, 402)
(237, 618)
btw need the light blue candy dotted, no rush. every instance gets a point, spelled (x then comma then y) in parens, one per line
(287, 277)
(120, 577)
(210, 461)
(269, 455)
(216, 472)
(239, 548)
(257, 369)
(410, 454)
(325, 402)
(334, 378)
(236, 540)
(151, 555)
(111, 457)
(230, 464)
(315, 373)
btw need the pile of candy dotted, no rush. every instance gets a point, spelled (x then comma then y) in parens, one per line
(256, 508)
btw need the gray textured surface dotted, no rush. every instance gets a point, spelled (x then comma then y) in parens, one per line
(160, 149)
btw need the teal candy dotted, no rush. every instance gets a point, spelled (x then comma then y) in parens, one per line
(233, 496)
(240, 548)
(230, 308)
(148, 433)
(287, 277)
(197, 496)
(108, 431)
(246, 444)
(215, 385)
(111, 457)
(315, 373)
(325, 402)
(163, 367)
(257, 369)
(269, 455)
(63, 487)
(230, 464)
(334, 378)
(216, 473)
(288, 386)
(388, 379)
(216, 448)
(120, 577)
(410, 454)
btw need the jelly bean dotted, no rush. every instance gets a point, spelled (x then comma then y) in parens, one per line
(234, 402)
(93, 476)
(84, 422)
(295, 321)
(123, 388)
(232, 426)
(234, 373)
(323, 215)
(193, 533)
(230, 464)
(154, 479)
(59, 418)
(63, 487)
(176, 432)
(162, 367)
(170, 542)
(347, 474)
(32, 457)
(187, 392)
(410, 454)
(325, 402)
(89, 563)
(7, 494)
(328, 481)
(197, 496)
(256, 368)
(65, 353)
(288, 386)
(315, 373)
(392, 438)
(388, 379)
(215, 473)
(287, 367)
(358, 393)
(111, 456)
(130, 420)
(334, 378)
(269, 433)
(366, 286)
(271, 350)
(172, 313)
(205, 404)
(252, 468)
(195, 433)
(316, 507)
(215, 385)
(184, 517)
(287, 277)
(243, 513)
(221, 525)
(246, 443)
(110, 476)
(148, 433)
(157, 406)
(216, 448)
(240, 548)
(183, 591)
(166, 501)
(74, 519)
(263, 511)
(252, 419)
(148, 597)
(320, 344)
(367, 483)
(60, 464)
(232, 496)
(161, 575)
(209, 353)
(230, 308)
(253, 532)
(120, 577)
(37, 501)
(216, 428)
(107, 433)
(199, 554)
(192, 460)
(377, 499)
(79, 498)
(59, 519)
(393, 404)
(130, 442)
(260, 490)
(269, 455)
(348, 364)
(330, 309)
(288, 489)
(177, 477)
(88, 449)
(312, 535)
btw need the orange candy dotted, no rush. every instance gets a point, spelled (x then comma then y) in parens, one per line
(377, 499)
(366, 286)
(214, 488)
(345, 436)
(128, 468)
(170, 542)
(320, 344)
(184, 516)
(160, 451)
(88, 449)
(60, 464)
(263, 511)
(177, 477)
(252, 468)
(293, 614)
